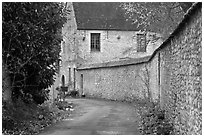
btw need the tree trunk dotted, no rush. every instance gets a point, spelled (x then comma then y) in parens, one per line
(6, 85)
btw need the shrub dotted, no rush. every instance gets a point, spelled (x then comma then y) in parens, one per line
(154, 121)
(26, 118)
(73, 93)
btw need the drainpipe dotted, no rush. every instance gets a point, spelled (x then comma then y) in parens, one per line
(74, 78)
(82, 85)
(69, 78)
(159, 77)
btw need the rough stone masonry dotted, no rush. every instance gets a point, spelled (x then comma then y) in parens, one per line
(181, 70)
(175, 76)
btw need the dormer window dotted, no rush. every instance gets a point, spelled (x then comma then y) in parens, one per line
(95, 42)
(141, 42)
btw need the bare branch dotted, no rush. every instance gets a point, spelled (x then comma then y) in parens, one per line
(174, 7)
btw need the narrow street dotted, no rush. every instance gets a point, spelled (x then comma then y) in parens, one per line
(98, 117)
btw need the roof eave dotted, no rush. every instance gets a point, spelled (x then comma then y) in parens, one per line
(113, 29)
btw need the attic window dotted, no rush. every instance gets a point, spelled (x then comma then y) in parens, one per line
(141, 42)
(95, 42)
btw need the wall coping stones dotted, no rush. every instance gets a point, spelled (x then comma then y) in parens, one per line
(125, 62)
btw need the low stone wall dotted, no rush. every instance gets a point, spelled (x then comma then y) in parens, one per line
(120, 80)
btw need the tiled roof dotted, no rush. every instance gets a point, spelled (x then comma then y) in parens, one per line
(102, 16)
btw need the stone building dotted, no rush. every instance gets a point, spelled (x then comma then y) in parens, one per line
(171, 76)
(100, 33)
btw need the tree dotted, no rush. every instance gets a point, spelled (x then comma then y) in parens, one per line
(160, 17)
(185, 5)
(31, 37)
(145, 77)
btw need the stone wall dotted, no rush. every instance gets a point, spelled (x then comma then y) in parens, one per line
(122, 81)
(174, 79)
(69, 48)
(181, 69)
(68, 54)
(114, 44)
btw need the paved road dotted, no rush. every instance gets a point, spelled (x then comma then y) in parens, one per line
(98, 117)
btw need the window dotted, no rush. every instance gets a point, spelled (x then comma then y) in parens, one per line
(95, 41)
(141, 43)
(63, 81)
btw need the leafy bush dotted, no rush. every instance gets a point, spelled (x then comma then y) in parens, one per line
(74, 93)
(40, 97)
(27, 119)
(154, 121)
(62, 105)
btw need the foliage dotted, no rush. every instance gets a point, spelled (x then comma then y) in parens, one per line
(31, 37)
(63, 105)
(160, 17)
(154, 121)
(185, 5)
(28, 119)
(73, 93)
